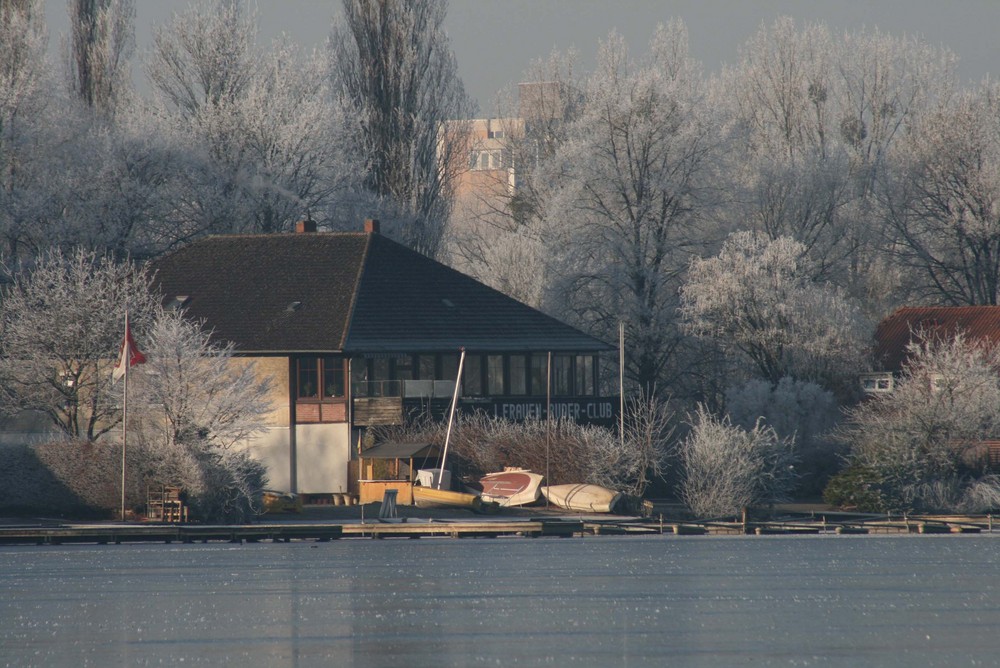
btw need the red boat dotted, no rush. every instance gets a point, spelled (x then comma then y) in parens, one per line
(512, 487)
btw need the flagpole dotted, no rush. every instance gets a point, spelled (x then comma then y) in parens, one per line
(128, 360)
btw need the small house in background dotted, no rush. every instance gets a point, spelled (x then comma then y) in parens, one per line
(895, 333)
(907, 325)
(359, 331)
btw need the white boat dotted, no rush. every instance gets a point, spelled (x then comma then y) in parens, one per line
(582, 497)
(512, 487)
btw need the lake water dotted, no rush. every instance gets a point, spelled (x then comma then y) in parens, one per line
(596, 601)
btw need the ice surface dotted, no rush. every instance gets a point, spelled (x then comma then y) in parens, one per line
(603, 601)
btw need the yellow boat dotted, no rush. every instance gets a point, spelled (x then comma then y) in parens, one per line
(428, 497)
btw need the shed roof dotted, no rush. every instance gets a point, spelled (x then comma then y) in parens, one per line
(392, 450)
(351, 293)
(979, 323)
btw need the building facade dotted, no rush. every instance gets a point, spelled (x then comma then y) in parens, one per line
(359, 331)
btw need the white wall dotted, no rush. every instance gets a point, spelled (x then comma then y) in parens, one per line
(323, 454)
(271, 448)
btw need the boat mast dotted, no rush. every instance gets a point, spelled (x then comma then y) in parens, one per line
(621, 382)
(451, 415)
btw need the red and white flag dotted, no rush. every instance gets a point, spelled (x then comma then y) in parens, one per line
(129, 354)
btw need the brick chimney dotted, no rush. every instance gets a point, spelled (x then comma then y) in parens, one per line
(305, 226)
(371, 226)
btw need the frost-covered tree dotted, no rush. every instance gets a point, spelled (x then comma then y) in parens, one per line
(23, 41)
(117, 186)
(884, 85)
(728, 469)
(253, 141)
(205, 57)
(812, 120)
(630, 189)
(922, 446)
(61, 328)
(757, 300)
(194, 404)
(794, 409)
(642, 455)
(61, 323)
(944, 201)
(392, 66)
(508, 259)
(782, 88)
(102, 41)
(28, 137)
(497, 232)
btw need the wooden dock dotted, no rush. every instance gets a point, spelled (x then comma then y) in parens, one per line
(116, 534)
(529, 527)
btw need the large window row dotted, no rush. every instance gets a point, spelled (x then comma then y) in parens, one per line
(320, 378)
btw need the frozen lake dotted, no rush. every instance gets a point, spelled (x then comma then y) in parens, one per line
(601, 601)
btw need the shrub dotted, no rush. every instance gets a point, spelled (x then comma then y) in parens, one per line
(794, 409)
(858, 488)
(728, 469)
(924, 441)
(564, 451)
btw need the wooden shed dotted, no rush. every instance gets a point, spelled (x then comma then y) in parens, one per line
(401, 477)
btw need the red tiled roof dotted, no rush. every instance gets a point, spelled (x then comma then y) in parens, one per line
(893, 334)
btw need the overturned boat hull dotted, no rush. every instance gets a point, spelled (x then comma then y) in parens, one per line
(582, 497)
(510, 488)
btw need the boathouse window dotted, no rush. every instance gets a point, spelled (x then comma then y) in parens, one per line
(333, 377)
(538, 374)
(307, 375)
(562, 375)
(426, 367)
(317, 377)
(473, 376)
(403, 368)
(494, 375)
(585, 375)
(380, 369)
(518, 375)
(449, 367)
(359, 377)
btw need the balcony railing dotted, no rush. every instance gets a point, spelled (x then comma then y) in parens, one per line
(408, 389)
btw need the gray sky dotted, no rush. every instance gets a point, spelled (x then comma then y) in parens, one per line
(496, 40)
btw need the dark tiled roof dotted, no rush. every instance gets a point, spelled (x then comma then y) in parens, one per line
(349, 292)
(280, 293)
(408, 302)
(979, 323)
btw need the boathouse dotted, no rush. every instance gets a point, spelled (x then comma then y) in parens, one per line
(358, 330)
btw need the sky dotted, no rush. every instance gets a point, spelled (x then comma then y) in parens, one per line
(495, 41)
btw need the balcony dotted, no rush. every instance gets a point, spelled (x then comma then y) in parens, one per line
(380, 402)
